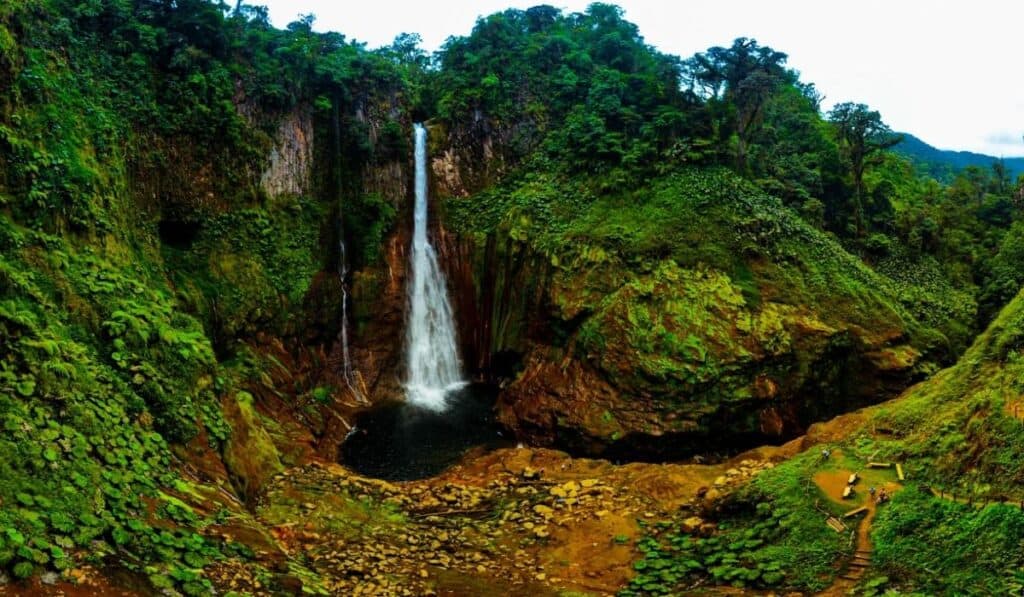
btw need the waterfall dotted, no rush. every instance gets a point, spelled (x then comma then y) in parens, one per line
(347, 372)
(433, 360)
(346, 367)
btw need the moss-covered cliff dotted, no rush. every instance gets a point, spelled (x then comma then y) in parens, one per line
(686, 314)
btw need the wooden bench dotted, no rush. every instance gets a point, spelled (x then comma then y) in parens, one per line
(836, 524)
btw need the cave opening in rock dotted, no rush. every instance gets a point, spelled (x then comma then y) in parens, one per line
(178, 233)
(401, 441)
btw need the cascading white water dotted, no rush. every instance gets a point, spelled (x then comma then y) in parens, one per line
(432, 354)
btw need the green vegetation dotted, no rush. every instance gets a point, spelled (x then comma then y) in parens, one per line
(99, 373)
(593, 112)
(933, 545)
(765, 540)
(695, 232)
(959, 433)
(139, 254)
(244, 269)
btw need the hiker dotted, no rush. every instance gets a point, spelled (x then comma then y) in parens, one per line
(825, 454)
(871, 490)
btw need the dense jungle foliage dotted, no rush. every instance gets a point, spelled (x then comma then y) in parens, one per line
(142, 262)
(588, 98)
(140, 254)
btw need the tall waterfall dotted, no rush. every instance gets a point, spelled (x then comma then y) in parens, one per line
(433, 359)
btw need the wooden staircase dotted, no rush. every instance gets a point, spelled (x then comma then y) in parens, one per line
(858, 566)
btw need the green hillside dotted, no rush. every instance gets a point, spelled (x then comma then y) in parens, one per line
(944, 164)
(653, 263)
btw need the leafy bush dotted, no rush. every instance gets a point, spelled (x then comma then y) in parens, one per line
(764, 539)
(934, 545)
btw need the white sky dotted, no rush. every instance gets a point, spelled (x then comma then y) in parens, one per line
(948, 72)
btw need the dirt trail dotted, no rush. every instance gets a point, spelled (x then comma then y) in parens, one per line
(1015, 408)
(832, 483)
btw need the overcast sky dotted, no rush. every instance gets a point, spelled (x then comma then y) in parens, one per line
(948, 72)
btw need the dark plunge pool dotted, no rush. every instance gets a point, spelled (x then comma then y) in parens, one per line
(402, 442)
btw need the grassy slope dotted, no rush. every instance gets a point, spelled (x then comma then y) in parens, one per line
(96, 356)
(956, 432)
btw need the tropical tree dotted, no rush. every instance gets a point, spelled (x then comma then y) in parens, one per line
(1000, 177)
(862, 138)
(738, 82)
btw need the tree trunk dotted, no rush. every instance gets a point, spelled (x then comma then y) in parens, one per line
(858, 198)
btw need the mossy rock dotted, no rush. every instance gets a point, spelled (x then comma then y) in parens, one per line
(249, 453)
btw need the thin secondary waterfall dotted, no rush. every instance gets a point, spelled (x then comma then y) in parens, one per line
(346, 367)
(347, 372)
(433, 359)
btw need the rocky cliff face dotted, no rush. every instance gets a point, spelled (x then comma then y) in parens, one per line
(379, 304)
(675, 362)
(377, 289)
(499, 294)
(461, 161)
(289, 169)
(468, 157)
(389, 173)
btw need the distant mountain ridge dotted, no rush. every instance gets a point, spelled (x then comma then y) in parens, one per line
(943, 164)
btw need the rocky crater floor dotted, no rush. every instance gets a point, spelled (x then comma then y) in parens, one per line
(512, 522)
(515, 521)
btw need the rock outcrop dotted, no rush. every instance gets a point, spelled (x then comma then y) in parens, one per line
(289, 168)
